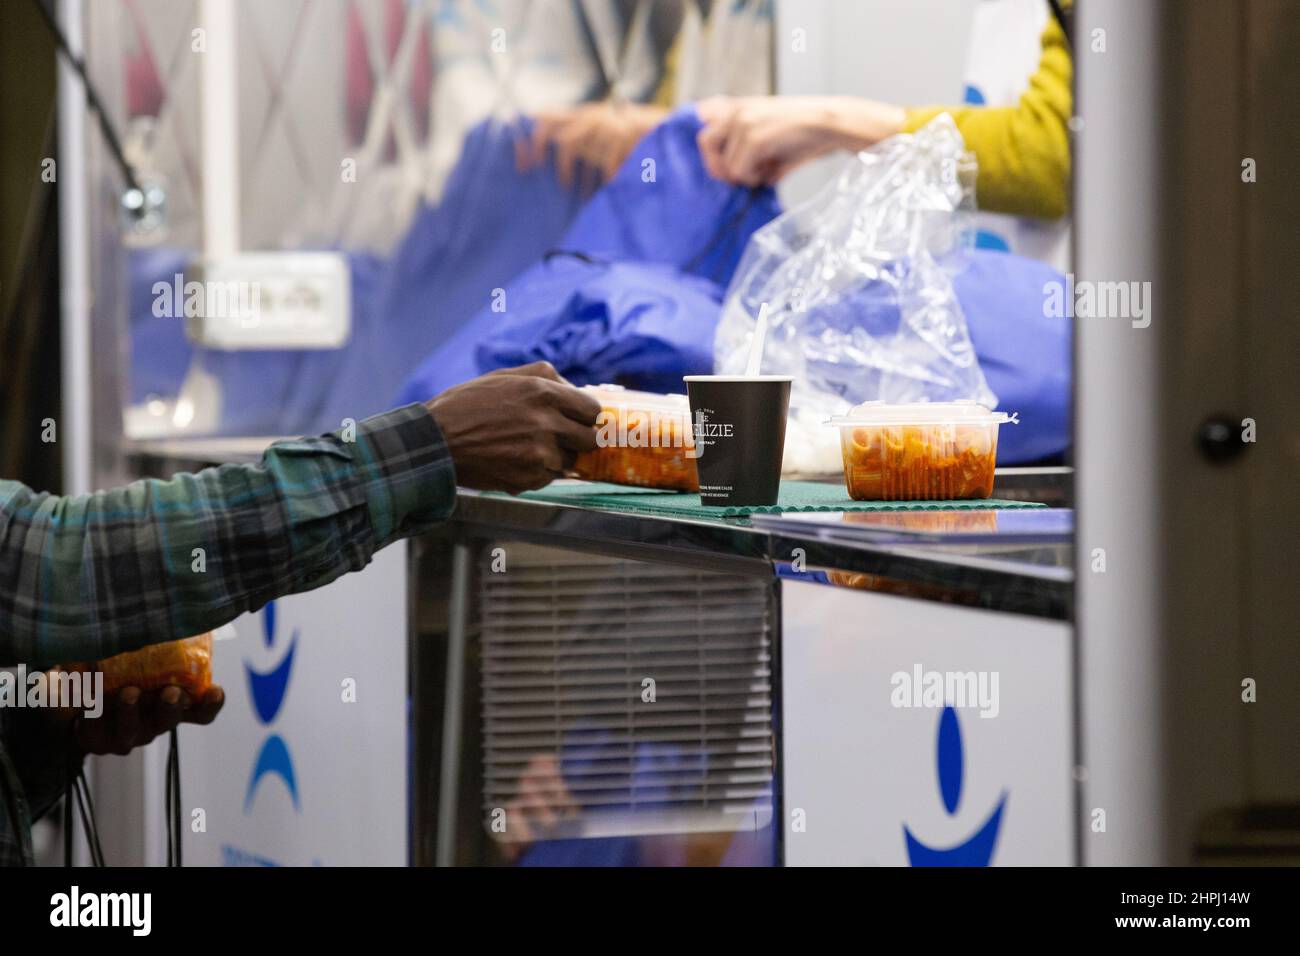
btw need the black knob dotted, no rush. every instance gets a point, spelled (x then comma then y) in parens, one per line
(1220, 438)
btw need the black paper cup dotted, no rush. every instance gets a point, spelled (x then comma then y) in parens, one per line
(739, 428)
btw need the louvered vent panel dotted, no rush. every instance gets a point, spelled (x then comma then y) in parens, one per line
(567, 641)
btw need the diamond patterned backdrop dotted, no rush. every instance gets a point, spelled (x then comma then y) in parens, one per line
(390, 84)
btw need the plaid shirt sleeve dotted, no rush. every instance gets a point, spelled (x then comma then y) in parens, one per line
(86, 578)
(89, 577)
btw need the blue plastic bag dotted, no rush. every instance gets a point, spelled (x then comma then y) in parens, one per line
(1026, 355)
(633, 298)
(627, 323)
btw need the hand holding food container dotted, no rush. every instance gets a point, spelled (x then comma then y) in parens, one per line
(514, 429)
(151, 691)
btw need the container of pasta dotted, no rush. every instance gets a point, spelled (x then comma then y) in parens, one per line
(939, 451)
(643, 439)
(185, 663)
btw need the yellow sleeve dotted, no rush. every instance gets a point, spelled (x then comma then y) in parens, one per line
(1023, 151)
(666, 94)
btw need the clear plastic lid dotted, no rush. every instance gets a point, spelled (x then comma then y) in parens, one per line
(616, 396)
(922, 413)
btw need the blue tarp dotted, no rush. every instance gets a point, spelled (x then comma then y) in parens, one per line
(493, 222)
(634, 296)
(634, 324)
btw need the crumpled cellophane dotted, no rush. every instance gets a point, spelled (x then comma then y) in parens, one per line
(860, 305)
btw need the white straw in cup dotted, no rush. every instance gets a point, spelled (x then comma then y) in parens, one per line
(756, 345)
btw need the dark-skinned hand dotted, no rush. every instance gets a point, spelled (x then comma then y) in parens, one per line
(515, 429)
(133, 718)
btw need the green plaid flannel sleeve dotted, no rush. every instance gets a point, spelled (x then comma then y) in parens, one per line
(89, 577)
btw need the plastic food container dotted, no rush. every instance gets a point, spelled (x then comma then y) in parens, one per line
(186, 663)
(645, 440)
(919, 452)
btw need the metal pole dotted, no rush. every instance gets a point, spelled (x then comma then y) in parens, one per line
(219, 128)
(1116, 391)
(74, 262)
(453, 713)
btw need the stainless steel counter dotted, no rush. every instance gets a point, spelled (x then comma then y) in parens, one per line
(1023, 579)
(1018, 579)
(460, 622)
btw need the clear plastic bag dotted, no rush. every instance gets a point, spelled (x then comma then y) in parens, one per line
(860, 305)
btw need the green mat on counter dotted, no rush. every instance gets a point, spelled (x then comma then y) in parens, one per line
(795, 496)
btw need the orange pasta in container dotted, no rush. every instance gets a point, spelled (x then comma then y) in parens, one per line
(645, 439)
(919, 452)
(186, 663)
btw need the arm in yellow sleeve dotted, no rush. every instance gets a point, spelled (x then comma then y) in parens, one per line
(666, 93)
(1023, 150)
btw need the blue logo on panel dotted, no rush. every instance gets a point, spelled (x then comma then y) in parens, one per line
(978, 849)
(267, 692)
